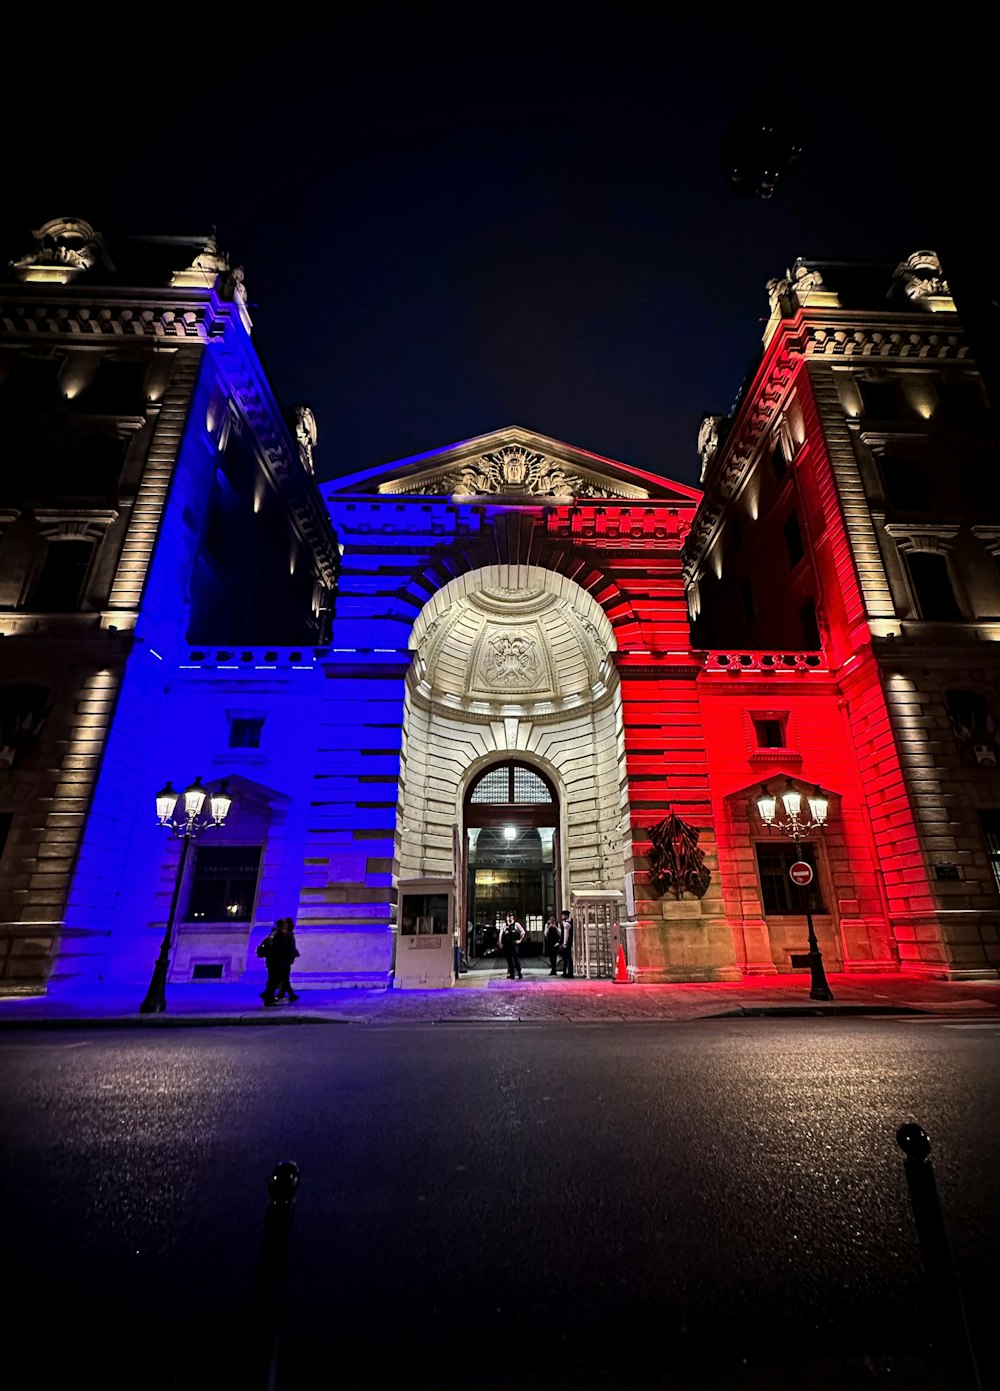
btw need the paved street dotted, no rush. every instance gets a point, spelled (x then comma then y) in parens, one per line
(500, 1204)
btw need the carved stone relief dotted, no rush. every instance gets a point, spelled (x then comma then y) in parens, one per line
(510, 661)
(64, 248)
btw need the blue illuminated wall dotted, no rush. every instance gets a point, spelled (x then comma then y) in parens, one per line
(176, 701)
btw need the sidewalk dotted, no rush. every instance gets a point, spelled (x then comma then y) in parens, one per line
(483, 997)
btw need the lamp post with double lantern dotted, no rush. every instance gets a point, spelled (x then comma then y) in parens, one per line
(794, 822)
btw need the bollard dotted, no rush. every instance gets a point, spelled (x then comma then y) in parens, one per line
(935, 1254)
(269, 1291)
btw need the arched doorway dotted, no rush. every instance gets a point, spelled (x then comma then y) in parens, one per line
(511, 854)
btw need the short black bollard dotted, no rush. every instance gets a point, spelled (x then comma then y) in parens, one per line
(935, 1254)
(269, 1292)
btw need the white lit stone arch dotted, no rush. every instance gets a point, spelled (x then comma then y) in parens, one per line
(514, 662)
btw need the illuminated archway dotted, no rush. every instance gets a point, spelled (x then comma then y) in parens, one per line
(513, 666)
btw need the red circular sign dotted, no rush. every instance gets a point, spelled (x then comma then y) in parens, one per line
(801, 873)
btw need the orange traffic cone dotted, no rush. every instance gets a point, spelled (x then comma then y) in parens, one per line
(621, 970)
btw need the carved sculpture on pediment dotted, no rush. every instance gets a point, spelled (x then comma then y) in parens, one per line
(675, 862)
(514, 469)
(510, 661)
(306, 435)
(921, 276)
(64, 244)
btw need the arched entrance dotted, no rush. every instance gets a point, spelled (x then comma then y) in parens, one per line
(510, 825)
(513, 677)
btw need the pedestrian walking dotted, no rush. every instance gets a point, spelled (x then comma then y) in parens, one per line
(566, 942)
(553, 937)
(511, 937)
(279, 951)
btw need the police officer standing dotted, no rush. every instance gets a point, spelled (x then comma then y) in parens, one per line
(566, 943)
(511, 937)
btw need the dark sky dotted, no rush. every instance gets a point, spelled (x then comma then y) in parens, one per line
(437, 244)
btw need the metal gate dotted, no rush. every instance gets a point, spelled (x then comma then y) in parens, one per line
(596, 932)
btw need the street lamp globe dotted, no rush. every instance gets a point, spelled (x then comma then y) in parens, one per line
(166, 801)
(220, 802)
(194, 799)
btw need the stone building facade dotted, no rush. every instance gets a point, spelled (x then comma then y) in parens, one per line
(552, 679)
(142, 456)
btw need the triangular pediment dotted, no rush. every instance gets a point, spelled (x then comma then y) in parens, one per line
(514, 465)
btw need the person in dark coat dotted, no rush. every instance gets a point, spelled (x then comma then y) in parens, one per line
(511, 937)
(566, 943)
(553, 937)
(279, 953)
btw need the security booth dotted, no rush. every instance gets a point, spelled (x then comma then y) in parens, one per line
(425, 935)
(596, 931)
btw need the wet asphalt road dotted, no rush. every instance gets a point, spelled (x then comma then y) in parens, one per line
(719, 1203)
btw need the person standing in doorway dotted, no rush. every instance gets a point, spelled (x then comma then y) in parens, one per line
(566, 943)
(511, 937)
(552, 940)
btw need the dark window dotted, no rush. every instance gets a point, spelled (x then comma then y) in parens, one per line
(778, 894)
(6, 820)
(23, 710)
(880, 400)
(30, 385)
(969, 713)
(932, 586)
(245, 733)
(904, 485)
(117, 389)
(735, 533)
(747, 592)
(58, 587)
(770, 733)
(778, 462)
(793, 540)
(94, 467)
(989, 822)
(215, 530)
(811, 639)
(961, 400)
(224, 883)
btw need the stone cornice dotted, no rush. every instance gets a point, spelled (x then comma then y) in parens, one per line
(799, 339)
(102, 313)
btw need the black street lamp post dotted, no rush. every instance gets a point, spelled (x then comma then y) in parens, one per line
(792, 823)
(187, 826)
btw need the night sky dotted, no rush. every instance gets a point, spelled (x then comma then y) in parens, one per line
(440, 244)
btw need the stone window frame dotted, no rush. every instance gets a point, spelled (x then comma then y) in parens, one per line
(58, 525)
(756, 753)
(928, 538)
(989, 538)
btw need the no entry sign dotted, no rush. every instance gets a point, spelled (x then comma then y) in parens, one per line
(801, 873)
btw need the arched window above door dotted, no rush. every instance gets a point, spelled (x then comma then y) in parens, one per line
(507, 783)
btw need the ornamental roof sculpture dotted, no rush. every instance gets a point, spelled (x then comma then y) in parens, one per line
(922, 278)
(64, 248)
(306, 435)
(515, 465)
(205, 267)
